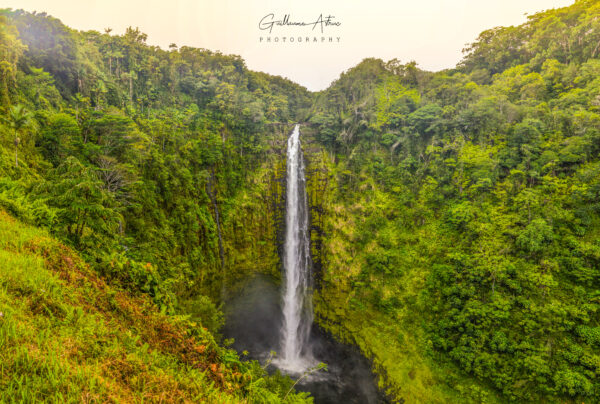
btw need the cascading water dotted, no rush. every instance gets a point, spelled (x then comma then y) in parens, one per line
(297, 299)
(255, 312)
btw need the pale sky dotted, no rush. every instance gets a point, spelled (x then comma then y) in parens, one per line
(431, 32)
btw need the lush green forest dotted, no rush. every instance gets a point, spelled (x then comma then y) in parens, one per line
(455, 214)
(460, 228)
(144, 162)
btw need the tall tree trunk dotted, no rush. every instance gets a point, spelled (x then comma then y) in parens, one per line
(130, 87)
(16, 148)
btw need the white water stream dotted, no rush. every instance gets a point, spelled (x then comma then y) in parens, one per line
(295, 355)
(261, 308)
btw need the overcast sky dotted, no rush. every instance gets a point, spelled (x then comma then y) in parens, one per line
(431, 32)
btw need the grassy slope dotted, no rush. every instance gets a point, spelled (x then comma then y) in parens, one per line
(66, 336)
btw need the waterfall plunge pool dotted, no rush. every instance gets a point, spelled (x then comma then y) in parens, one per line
(254, 320)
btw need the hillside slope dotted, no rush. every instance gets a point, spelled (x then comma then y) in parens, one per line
(138, 172)
(66, 336)
(459, 215)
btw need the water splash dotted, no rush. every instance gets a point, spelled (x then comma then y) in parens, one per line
(295, 355)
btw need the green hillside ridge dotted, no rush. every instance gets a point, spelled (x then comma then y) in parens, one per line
(146, 163)
(67, 336)
(460, 223)
(455, 215)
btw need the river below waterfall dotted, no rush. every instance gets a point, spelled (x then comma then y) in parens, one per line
(254, 320)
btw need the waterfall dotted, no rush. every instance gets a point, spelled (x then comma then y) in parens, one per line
(295, 353)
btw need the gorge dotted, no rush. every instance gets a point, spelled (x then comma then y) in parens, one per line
(276, 326)
(157, 203)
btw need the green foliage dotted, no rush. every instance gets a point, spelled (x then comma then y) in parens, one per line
(66, 336)
(18, 119)
(203, 311)
(460, 223)
(134, 152)
(136, 158)
(84, 207)
(454, 214)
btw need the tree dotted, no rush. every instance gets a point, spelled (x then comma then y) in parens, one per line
(58, 134)
(18, 119)
(83, 202)
(11, 49)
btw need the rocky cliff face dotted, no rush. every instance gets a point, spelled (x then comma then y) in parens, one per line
(254, 225)
(254, 222)
(319, 184)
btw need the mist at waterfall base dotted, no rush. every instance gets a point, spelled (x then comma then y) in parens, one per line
(254, 320)
(259, 324)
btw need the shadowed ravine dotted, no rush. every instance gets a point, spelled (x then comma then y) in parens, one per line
(264, 318)
(254, 320)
